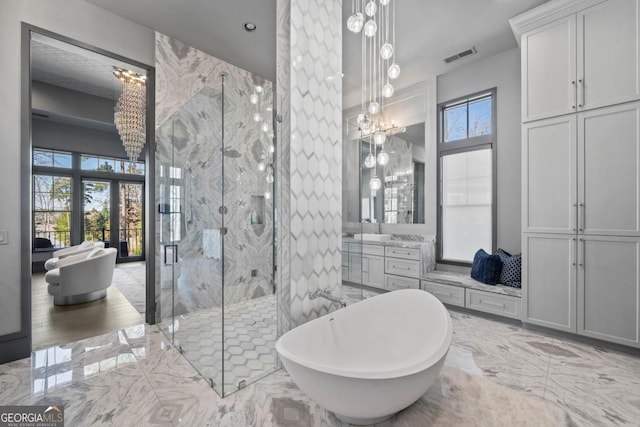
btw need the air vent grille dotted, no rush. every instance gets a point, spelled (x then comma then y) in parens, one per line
(462, 54)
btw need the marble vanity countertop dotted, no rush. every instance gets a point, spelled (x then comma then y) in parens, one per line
(457, 279)
(392, 242)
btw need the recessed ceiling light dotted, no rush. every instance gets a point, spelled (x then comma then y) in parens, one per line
(250, 26)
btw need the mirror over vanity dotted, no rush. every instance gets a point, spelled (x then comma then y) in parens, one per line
(400, 177)
(386, 245)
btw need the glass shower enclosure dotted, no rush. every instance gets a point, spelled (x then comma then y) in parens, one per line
(215, 241)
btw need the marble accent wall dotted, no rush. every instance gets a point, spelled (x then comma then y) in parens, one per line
(310, 93)
(189, 112)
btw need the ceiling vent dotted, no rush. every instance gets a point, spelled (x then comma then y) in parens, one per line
(462, 54)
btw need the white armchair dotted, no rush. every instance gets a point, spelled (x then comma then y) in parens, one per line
(82, 248)
(82, 277)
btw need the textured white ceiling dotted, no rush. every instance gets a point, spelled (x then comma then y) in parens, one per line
(427, 32)
(72, 67)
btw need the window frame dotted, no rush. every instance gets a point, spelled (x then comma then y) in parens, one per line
(57, 173)
(77, 175)
(480, 142)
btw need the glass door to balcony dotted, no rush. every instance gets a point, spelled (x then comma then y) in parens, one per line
(113, 213)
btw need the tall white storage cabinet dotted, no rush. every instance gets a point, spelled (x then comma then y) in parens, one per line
(581, 167)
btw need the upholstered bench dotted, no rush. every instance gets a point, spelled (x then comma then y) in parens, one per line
(461, 290)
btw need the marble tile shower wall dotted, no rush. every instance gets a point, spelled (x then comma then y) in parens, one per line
(189, 137)
(310, 33)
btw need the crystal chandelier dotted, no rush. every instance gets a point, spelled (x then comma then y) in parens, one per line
(375, 20)
(130, 111)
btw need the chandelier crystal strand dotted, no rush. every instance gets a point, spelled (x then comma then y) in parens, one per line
(130, 112)
(394, 69)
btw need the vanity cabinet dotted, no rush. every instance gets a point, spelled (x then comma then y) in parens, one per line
(373, 266)
(569, 64)
(402, 268)
(355, 263)
(387, 267)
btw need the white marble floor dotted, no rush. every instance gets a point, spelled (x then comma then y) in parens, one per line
(497, 374)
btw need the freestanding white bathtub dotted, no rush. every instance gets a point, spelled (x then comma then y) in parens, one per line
(372, 359)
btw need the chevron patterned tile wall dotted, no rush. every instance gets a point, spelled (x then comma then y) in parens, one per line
(310, 92)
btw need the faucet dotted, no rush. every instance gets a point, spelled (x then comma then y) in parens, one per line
(326, 294)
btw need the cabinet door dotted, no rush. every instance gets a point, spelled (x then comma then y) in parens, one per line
(373, 271)
(549, 70)
(609, 288)
(549, 175)
(355, 267)
(608, 171)
(608, 54)
(549, 280)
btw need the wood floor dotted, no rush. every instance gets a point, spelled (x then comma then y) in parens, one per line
(55, 325)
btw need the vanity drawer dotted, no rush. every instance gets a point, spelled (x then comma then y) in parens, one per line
(503, 305)
(453, 295)
(404, 253)
(355, 248)
(402, 267)
(392, 283)
(373, 250)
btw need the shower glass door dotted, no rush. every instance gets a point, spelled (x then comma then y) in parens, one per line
(191, 251)
(215, 252)
(250, 304)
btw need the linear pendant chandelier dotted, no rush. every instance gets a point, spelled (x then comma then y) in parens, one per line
(375, 20)
(130, 111)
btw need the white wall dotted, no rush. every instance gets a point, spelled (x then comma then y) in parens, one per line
(503, 72)
(67, 102)
(76, 19)
(60, 136)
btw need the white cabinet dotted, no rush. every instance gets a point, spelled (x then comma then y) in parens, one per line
(549, 70)
(373, 271)
(609, 170)
(609, 288)
(581, 167)
(585, 60)
(549, 280)
(549, 175)
(608, 57)
(580, 173)
(392, 283)
(489, 302)
(355, 267)
(448, 294)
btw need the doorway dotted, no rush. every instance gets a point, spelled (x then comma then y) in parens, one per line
(71, 139)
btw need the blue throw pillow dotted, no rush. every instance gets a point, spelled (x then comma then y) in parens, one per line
(511, 269)
(486, 268)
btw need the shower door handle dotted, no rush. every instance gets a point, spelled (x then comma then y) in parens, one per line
(174, 250)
